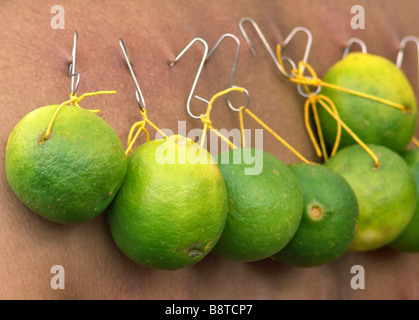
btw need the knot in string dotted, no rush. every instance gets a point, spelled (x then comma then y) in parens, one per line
(140, 126)
(206, 121)
(205, 118)
(297, 75)
(74, 102)
(313, 99)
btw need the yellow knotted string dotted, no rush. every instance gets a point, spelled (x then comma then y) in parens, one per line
(141, 128)
(73, 101)
(297, 76)
(205, 118)
(208, 125)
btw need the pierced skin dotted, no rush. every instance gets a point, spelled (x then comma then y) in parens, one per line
(34, 63)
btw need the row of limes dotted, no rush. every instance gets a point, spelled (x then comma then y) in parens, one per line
(172, 203)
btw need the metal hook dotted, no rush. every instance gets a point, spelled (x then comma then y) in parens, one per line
(233, 73)
(138, 94)
(263, 38)
(351, 42)
(204, 58)
(72, 67)
(305, 57)
(403, 43)
(308, 46)
(285, 43)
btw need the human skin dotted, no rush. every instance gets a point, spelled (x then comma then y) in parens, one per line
(34, 60)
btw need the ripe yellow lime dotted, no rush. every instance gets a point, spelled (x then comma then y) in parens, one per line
(265, 205)
(72, 176)
(373, 122)
(329, 220)
(172, 206)
(409, 240)
(386, 194)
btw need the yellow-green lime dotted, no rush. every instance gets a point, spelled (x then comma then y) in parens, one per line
(172, 206)
(75, 173)
(264, 205)
(373, 122)
(329, 220)
(386, 194)
(409, 240)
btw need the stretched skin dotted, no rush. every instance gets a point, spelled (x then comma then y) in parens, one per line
(33, 72)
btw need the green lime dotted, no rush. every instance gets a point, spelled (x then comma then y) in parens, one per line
(264, 205)
(329, 220)
(172, 206)
(73, 175)
(409, 240)
(386, 194)
(373, 122)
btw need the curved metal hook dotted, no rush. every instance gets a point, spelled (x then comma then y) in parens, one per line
(263, 38)
(72, 67)
(351, 42)
(305, 57)
(138, 94)
(204, 58)
(308, 46)
(285, 43)
(403, 43)
(233, 73)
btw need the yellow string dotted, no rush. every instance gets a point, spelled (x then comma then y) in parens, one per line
(329, 106)
(415, 142)
(205, 118)
(208, 125)
(141, 128)
(320, 150)
(286, 144)
(308, 128)
(73, 101)
(131, 139)
(297, 76)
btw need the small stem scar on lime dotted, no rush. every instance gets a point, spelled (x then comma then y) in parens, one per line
(316, 212)
(329, 220)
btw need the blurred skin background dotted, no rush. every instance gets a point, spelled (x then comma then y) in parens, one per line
(34, 61)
